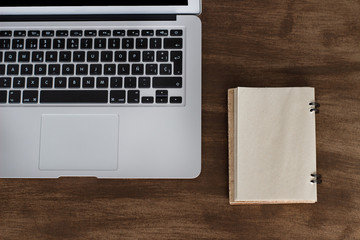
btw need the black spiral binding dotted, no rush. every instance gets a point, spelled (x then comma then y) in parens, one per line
(315, 106)
(317, 178)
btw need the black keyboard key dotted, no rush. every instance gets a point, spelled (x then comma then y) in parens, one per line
(4, 43)
(123, 69)
(167, 82)
(106, 56)
(48, 33)
(114, 43)
(95, 69)
(2, 69)
(162, 32)
(32, 82)
(176, 32)
(162, 93)
(26, 69)
(148, 56)
(76, 33)
(31, 43)
(74, 82)
(54, 69)
(19, 82)
(133, 96)
(141, 43)
(12, 69)
(14, 96)
(1, 56)
(79, 56)
(133, 33)
(162, 100)
(177, 58)
(60, 82)
(3, 96)
(46, 82)
(93, 56)
(134, 56)
(130, 82)
(19, 33)
(128, 43)
(30, 97)
(74, 96)
(65, 56)
(165, 69)
(68, 69)
(24, 57)
(33, 33)
(147, 33)
(18, 43)
(147, 100)
(137, 69)
(5, 33)
(10, 57)
(117, 96)
(162, 56)
(45, 43)
(104, 33)
(86, 43)
(100, 43)
(109, 69)
(81, 69)
(72, 43)
(5, 82)
(116, 82)
(51, 56)
(155, 43)
(102, 82)
(119, 33)
(177, 100)
(62, 33)
(59, 43)
(40, 69)
(88, 82)
(151, 69)
(37, 57)
(173, 43)
(92, 33)
(120, 56)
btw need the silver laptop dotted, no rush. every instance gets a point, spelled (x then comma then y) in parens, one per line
(99, 90)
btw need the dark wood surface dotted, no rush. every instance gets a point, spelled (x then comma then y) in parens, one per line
(245, 43)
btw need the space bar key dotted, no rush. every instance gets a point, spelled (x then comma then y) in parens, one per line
(73, 96)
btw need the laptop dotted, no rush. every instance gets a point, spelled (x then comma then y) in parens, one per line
(100, 90)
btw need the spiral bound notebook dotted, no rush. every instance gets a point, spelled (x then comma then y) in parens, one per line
(272, 146)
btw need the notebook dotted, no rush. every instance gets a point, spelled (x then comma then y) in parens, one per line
(272, 145)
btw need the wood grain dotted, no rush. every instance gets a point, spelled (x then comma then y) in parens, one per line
(245, 43)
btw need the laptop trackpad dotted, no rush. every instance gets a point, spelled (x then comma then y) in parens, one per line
(79, 142)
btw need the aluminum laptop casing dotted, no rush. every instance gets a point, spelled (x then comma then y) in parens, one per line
(152, 142)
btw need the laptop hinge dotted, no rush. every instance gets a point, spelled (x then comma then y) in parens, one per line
(88, 17)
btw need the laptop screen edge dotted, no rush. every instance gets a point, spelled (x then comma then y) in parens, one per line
(193, 7)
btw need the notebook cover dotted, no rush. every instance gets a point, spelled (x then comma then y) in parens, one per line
(309, 197)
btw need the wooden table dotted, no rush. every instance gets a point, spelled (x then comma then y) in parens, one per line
(245, 43)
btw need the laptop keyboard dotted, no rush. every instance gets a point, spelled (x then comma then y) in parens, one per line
(119, 67)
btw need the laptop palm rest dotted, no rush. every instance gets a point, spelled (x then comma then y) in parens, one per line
(79, 142)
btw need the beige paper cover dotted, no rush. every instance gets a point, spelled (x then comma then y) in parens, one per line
(274, 145)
